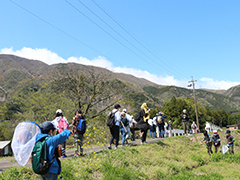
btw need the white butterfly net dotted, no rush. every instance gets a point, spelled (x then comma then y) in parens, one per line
(24, 139)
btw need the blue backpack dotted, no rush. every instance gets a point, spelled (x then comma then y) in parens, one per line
(81, 128)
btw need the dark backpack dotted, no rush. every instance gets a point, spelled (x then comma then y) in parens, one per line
(81, 128)
(138, 116)
(111, 119)
(39, 158)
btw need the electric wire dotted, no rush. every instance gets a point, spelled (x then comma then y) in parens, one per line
(67, 34)
(120, 34)
(108, 33)
(134, 37)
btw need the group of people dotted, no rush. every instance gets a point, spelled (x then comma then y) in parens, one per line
(61, 125)
(124, 124)
(216, 141)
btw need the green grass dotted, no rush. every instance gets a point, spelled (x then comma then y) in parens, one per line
(174, 158)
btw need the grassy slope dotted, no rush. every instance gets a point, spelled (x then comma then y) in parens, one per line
(174, 158)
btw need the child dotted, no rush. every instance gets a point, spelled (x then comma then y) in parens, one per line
(230, 141)
(216, 141)
(208, 140)
(78, 136)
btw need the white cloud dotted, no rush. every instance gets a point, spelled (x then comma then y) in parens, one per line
(52, 58)
(209, 83)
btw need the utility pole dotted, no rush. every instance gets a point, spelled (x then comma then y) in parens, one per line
(195, 100)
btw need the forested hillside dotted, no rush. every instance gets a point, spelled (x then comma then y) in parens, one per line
(35, 90)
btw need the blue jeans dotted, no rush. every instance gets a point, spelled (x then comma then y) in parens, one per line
(124, 134)
(152, 131)
(49, 176)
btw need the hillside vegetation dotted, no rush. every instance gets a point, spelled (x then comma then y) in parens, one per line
(182, 158)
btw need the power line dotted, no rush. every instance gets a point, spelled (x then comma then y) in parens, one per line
(108, 33)
(55, 27)
(118, 32)
(133, 36)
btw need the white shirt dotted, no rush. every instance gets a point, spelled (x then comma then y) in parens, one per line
(117, 116)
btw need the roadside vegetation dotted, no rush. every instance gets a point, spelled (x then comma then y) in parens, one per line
(181, 157)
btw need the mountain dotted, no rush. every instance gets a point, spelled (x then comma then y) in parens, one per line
(15, 71)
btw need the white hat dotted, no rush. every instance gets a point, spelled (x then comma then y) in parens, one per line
(59, 111)
(124, 110)
(215, 131)
(184, 111)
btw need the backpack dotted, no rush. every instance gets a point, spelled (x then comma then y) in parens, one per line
(138, 116)
(62, 124)
(159, 119)
(81, 128)
(111, 119)
(39, 158)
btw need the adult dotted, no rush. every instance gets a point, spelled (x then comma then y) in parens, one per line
(114, 130)
(169, 128)
(123, 127)
(152, 130)
(132, 125)
(78, 136)
(160, 123)
(142, 124)
(48, 130)
(194, 127)
(60, 122)
(185, 119)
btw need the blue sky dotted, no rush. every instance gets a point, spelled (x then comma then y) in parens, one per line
(166, 42)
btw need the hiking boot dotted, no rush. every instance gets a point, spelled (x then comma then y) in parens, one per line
(116, 147)
(81, 154)
(64, 156)
(109, 147)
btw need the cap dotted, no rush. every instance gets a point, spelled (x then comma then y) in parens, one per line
(184, 111)
(122, 113)
(215, 131)
(59, 111)
(228, 131)
(124, 110)
(46, 126)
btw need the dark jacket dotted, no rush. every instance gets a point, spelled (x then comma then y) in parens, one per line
(216, 139)
(124, 121)
(185, 117)
(142, 125)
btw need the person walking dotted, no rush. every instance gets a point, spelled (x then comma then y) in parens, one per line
(230, 142)
(208, 141)
(194, 127)
(132, 125)
(78, 135)
(60, 123)
(160, 123)
(185, 119)
(123, 127)
(142, 119)
(114, 130)
(48, 130)
(129, 118)
(152, 130)
(169, 128)
(216, 141)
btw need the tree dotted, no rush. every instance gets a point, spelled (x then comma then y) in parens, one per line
(91, 89)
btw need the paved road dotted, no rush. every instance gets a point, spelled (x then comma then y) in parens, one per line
(6, 163)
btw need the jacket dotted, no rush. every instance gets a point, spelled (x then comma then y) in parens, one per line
(185, 117)
(52, 144)
(216, 139)
(124, 121)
